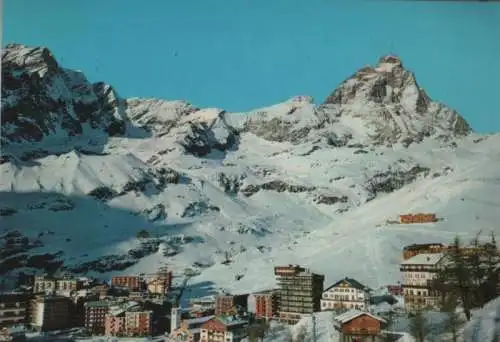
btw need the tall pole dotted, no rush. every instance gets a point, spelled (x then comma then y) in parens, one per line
(314, 327)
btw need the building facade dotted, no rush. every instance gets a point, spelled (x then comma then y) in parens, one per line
(139, 323)
(13, 308)
(417, 218)
(189, 330)
(43, 284)
(114, 324)
(347, 293)
(230, 304)
(356, 325)
(161, 283)
(133, 283)
(418, 274)
(299, 292)
(422, 248)
(95, 316)
(266, 305)
(51, 312)
(224, 329)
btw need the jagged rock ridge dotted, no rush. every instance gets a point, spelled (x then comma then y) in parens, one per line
(381, 105)
(40, 99)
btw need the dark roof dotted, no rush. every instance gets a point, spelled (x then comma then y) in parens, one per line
(352, 282)
(422, 245)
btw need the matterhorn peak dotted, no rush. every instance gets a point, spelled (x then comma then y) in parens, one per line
(388, 101)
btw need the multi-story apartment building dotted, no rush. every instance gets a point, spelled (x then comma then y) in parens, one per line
(202, 304)
(13, 308)
(299, 292)
(101, 290)
(114, 324)
(347, 293)
(95, 316)
(51, 312)
(161, 284)
(43, 284)
(418, 273)
(80, 299)
(133, 283)
(230, 304)
(266, 304)
(139, 322)
(67, 284)
(224, 329)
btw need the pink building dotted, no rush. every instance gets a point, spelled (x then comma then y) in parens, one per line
(114, 325)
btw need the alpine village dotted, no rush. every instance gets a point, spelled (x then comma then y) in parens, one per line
(452, 279)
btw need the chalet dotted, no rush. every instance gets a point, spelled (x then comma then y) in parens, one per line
(224, 328)
(347, 293)
(356, 326)
(418, 274)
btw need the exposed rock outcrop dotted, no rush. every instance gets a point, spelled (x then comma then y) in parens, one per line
(42, 99)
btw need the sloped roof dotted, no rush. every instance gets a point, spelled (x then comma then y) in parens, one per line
(353, 313)
(424, 259)
(198, 320)
(351, 281)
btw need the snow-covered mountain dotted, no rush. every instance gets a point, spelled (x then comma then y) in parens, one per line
(230, 195)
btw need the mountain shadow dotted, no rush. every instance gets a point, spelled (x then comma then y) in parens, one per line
(48, 231)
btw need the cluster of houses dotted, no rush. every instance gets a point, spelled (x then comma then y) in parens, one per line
(143, 305)
(128, 306)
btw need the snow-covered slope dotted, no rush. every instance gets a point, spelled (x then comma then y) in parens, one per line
(230, 195)
(485, 324)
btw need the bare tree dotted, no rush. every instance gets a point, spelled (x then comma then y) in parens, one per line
(288, 336)
(492, 269)
(456, 276)
(301, 335)
(454, 321)
(419, 327)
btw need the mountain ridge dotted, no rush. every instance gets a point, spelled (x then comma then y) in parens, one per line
(383, 97)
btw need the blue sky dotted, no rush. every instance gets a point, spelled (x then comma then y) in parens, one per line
(244, 54)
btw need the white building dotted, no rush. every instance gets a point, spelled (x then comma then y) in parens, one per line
(175, 319)
(224, 329)
(347, 293)
(418, 273)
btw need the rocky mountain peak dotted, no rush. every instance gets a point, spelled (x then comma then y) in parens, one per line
(381, 104)
(392, 105)
(42, 99)
(28, 59)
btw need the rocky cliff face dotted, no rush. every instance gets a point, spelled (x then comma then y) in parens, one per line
(377, 105)
(42, 99)
(391, 104)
